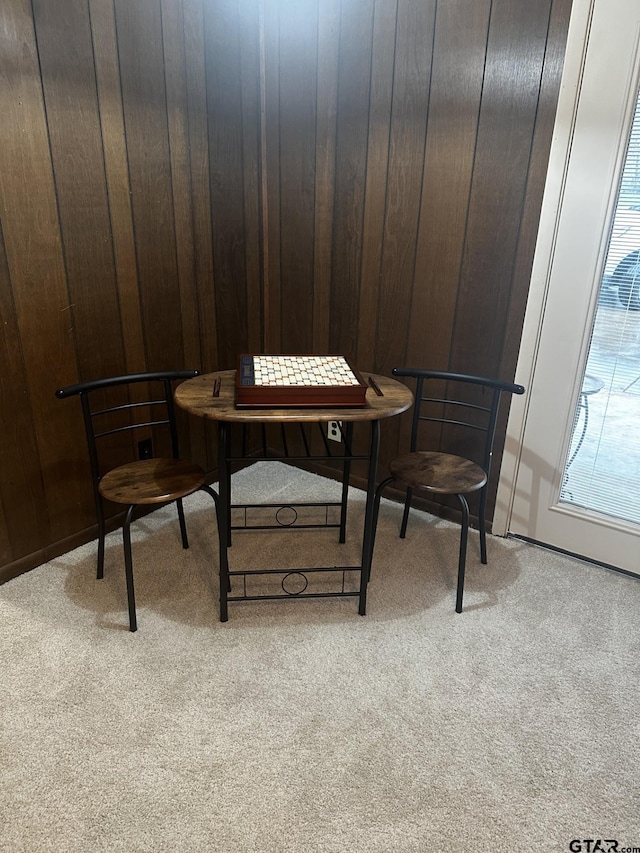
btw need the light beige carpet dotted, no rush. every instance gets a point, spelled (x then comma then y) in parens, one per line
(301, 726)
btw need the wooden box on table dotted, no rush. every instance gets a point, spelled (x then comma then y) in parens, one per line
(298, 381)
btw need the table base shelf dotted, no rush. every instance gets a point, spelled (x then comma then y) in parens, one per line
(295, 584)
(278, 516)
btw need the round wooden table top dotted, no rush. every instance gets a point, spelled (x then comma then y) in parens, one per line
(196, 396)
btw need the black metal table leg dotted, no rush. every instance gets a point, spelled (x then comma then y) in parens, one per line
(346, 472)
(369, 516)
(224, 522)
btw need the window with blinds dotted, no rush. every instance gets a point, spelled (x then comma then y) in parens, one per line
(602, 472)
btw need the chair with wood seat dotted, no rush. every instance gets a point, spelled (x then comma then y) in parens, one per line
(135, 419)
(449, 408)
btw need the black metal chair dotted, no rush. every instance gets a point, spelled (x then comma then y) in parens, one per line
(461, 403)
(147, 481)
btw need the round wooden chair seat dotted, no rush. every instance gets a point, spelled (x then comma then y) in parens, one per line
(442, 473)
(151, 481)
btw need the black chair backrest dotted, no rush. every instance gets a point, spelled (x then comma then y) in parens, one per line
(99, 421)
(456, 405)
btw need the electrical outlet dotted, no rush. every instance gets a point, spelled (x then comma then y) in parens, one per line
(334, 430)
(145, 449)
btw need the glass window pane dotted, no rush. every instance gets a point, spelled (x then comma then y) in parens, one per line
(603, 467)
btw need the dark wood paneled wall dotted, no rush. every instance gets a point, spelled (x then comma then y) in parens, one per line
(181, 180)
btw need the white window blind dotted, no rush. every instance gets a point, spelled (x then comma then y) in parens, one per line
(602, 472)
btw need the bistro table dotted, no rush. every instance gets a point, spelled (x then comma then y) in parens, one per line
(212, 396)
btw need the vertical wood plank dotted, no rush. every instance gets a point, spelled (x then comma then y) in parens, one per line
(65, 51)
(271, 182)
(251, 109)
(541, 145)
(139, 33)
(6, 552)
(23, 511)
(384, 46)
(351, 151)
(515, 55)
(407, 134)
(298, 70)
(201, 202)
(117, 177)
(200, 177)
(224, 98)
(36, 270)
(411, 83)
(454, 104)
(177, 118)
(327, 86)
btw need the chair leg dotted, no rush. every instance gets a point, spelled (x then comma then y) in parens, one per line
(405, 515)
(463, 551)
(376, 509)
(128, 568)
(183, 526)
(215, 497)
(101, 536)
(482, 525)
